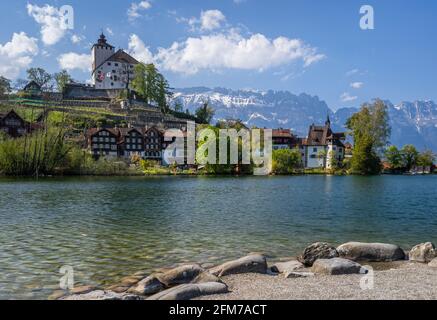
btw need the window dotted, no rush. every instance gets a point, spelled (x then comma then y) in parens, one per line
(116, 64)
(106, 139)
(109, 63)
(113, 147)
(113, 140)
(112, 83)
(128, 140)
(315, 150)
(106, 146)
(113, 71)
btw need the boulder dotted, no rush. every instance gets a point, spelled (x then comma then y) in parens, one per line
(424, 252)
(83, 289)
(376, 252)
(284, 267)
(250, 264)
(433, 263)
(318, 250)
(148, 286)
(101, 295)
(180, 275)
(337, 266)
(298, 274)
(191, 291)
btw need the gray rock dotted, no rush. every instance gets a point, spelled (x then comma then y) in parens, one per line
(376, 252)
(250, 264)
(191, 291)
(433, 263)
(424, 252)
(102, 295)
(180, 275)
(337, 266)
(147, 286)
(318, 250)
(284, 267)
(298, 274)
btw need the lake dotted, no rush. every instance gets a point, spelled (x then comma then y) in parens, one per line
(108, 228)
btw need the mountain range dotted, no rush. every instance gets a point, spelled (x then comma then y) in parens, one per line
(411, 122)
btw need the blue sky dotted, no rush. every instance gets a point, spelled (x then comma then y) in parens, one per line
(315, 46)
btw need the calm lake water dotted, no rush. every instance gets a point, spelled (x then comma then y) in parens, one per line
(108, 228)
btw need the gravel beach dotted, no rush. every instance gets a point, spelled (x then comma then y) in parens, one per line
(392, 281)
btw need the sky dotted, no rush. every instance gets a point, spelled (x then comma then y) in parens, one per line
(316, 47)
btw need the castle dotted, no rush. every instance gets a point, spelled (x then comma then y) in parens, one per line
(112, 71)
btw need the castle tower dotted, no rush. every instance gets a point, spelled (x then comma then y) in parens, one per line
(101, 51)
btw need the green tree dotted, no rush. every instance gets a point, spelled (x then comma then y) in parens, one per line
(163, 93)
(178, 107)
(394, 158)
(205, 113)
(365, 161)
(370, 130)
(62, 79)
(145, 82)
(5, 86)
(410, 156)
(41, 77)
(286, 161)
(426, 159)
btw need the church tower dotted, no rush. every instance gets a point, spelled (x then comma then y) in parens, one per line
(101, 51)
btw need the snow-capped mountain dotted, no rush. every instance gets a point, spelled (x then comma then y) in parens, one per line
(412, 122)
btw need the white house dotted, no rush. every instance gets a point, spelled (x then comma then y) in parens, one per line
(323, 148)
(111, 69)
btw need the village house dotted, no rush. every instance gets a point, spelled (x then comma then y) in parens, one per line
(284, 139)
(323, 148)
(147, 143)
(14, 126)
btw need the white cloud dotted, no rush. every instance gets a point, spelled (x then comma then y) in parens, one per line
(135, 8)
(211, 19)
(76, 38)
(352, 72)
(72, 61)
(346, 97)
(17, 54)
(234, 51)
(109, 31)
(51, 21)
(357, 85)
(139, 50)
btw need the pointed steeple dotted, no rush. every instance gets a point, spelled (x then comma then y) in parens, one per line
(328, 121)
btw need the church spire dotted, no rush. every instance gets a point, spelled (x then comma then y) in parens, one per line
(328, 121)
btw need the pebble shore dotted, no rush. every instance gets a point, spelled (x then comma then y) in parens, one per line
(352, 271)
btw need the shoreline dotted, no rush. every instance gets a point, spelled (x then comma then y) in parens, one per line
(351, 271)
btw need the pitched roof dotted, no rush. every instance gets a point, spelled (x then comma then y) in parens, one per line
(282, 133)
(120, 56)
(322, 135)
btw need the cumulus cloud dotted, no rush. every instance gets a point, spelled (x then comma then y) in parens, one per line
(17, 54)
(51, 20)
(135, 9)
(76, 38)
(208, 21)
(211, 19)
(357, 85)
(139, 50)
(234, 51)
(72, 61)
(346, 97)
